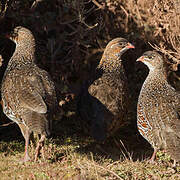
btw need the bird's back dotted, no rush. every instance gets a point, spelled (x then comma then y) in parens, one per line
(27, 94)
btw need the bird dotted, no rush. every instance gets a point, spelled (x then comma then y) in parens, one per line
(28, 93)
(103, 101)
(158, 108)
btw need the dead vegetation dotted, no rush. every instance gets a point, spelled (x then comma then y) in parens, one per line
(160, 20)
(71, 36)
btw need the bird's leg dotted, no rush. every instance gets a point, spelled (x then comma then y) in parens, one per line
(39, 146)
(153, 156)
(33, 141)
(42, 147)
(26, 156)
(42, 151)
(174, 164)
(26, 135)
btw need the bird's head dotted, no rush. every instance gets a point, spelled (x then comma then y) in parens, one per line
(118, 46)
(152, 59)
(20, 35)
(111, 59)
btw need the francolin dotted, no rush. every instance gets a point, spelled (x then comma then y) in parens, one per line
(28, 93)
(104, 101)
(158, 108)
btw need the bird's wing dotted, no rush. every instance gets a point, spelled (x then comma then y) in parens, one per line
(171, 113)
(49, 88)
(31, 93)
(163, 112)
(110, 94)
(176, 123)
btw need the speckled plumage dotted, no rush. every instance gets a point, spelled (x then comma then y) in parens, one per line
(28, 94)
(158, 108)
(104, 102)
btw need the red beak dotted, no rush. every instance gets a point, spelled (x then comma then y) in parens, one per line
(129, 45)
(140, 59)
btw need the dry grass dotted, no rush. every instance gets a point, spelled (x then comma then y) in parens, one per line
(70, 164)
(72, 155)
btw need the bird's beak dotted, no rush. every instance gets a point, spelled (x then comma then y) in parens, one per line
(130, 46)
(140, 59)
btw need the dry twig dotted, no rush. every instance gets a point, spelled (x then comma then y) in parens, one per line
(98, 4)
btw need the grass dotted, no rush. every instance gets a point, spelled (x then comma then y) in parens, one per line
(70, 154)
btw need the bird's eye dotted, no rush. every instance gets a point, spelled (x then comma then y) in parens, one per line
(121, 44)
(150, 57)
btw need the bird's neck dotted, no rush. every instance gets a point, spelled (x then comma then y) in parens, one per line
(24, 53)
(111, 65)
(157, 76)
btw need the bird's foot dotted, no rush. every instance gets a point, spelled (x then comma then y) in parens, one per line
(151, 161)
(174, 164)
(25, 159)
(153, 157)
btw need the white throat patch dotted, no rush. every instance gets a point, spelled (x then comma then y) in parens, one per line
(149, 65)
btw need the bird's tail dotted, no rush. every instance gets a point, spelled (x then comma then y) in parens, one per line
(173, 145)
(37, 122)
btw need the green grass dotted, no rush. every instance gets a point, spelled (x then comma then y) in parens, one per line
(72, 155)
